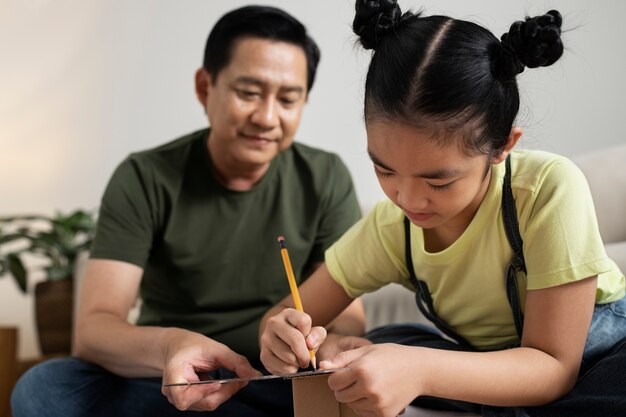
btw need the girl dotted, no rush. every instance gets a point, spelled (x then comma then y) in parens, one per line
(501, 247)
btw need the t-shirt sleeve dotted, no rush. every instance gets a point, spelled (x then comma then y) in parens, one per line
(371, 254)
(562, 242)
(125, 222)
(340, 208)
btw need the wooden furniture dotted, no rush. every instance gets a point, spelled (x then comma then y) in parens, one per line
(8, 366)
(11, 368)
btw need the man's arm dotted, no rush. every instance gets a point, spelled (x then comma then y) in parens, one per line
(103, 336)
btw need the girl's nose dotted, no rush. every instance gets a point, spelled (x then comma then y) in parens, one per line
(411, 197)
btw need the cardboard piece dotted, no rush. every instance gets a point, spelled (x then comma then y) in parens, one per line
(313, 398)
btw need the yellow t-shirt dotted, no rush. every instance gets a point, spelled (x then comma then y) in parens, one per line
(467, 280)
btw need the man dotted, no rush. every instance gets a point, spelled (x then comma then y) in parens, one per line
(192, 226)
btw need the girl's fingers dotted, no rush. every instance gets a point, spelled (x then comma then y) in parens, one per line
(316, 337)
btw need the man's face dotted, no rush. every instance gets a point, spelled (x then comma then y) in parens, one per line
(255, 104)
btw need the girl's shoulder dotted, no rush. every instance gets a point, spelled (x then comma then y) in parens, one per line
(547, 185)
(526, 158)
(535, 169)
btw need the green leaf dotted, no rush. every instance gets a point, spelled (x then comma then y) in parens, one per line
(58, 239)
(11, 237)
(24, 218)
(18, 271)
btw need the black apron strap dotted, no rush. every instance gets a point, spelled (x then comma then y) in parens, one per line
(422, 294)
(511, 227)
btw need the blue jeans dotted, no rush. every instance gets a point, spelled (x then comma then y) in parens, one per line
(70, 387)
(601, 387)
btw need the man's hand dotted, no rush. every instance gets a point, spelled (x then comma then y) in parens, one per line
(193, 353)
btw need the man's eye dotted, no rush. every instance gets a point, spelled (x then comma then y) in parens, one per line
(247, 93)
(290, 100)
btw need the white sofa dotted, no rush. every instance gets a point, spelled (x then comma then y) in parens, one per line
(605, 171)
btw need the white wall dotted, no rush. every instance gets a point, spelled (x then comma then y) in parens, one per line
(83, 83)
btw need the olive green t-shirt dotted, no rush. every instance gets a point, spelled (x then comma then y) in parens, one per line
(210, 255)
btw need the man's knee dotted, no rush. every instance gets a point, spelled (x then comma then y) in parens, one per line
(30, 390)
(44, 390)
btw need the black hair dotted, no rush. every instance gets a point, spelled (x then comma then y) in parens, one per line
(450, 75)
(260, 22)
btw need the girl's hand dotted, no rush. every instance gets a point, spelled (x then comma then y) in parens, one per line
(338, 343)
(286, 341)
(373, 370)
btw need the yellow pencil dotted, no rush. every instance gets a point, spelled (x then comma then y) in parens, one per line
(294, 288)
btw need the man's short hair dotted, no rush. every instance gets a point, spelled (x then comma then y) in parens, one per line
(260, 22)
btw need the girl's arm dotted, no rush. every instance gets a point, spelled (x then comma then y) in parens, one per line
(546, 365)
(542, 370)
(285, 332)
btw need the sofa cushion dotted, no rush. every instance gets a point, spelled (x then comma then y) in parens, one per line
(606, 175)
(617, 252)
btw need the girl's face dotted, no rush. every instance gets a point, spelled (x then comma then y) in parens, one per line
(436, 186)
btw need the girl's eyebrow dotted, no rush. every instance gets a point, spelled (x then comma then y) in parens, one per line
(439, 174)
(377, 161)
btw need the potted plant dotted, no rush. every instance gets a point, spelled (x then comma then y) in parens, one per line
(30, 243)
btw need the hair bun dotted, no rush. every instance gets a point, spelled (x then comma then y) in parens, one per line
(536, 41)
(374, 19)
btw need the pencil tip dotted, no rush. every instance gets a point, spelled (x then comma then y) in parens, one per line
(314, 362)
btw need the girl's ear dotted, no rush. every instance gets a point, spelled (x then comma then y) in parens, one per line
(514, 136)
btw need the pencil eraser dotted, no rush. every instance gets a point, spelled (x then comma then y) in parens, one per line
(281, 238)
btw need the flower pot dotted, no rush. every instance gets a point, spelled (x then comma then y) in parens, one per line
(8, 365)
(53, 313)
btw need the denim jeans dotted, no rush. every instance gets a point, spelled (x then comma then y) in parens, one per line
(70, 387)
(601, 386)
